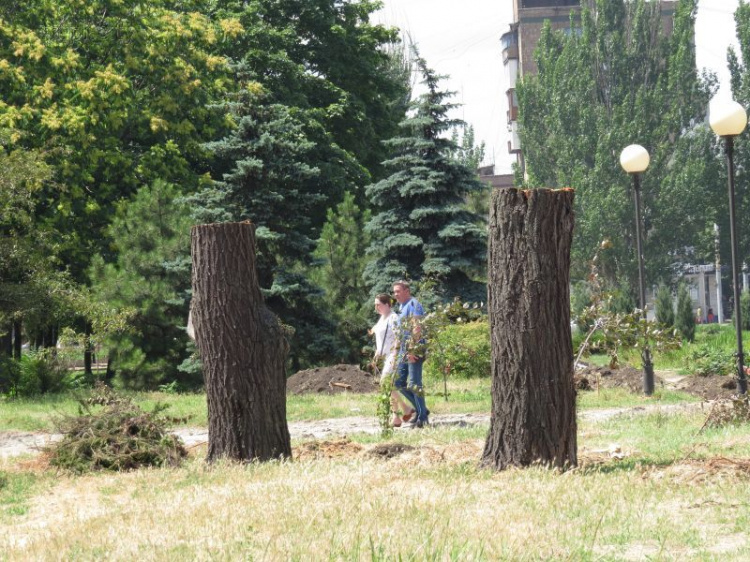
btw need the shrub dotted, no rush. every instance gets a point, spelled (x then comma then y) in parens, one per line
(664, 306)
(9, 372)
(706, 360)
(459, 350)
(40, 372)
(622, 300)
(684, 320)
(119, 436)
(745, 309)
(580, 300)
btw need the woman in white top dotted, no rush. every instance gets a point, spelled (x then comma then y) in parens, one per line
(386, 350)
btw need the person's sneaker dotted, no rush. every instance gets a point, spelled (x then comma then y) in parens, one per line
(418, 424)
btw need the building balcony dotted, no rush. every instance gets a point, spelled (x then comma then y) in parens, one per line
(510, 53)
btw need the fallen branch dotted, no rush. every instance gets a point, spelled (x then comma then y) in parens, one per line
(340, 385)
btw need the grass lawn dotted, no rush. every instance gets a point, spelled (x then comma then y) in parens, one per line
(677, 494)
(464, 396)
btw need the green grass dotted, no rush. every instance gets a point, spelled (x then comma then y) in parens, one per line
(716, 338)
(622, 398)
(16, 488)
(464, 396)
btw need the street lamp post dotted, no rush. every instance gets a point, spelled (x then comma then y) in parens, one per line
(728, 119)
(634, 159)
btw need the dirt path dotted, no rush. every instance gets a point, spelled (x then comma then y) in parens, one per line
(14, 443)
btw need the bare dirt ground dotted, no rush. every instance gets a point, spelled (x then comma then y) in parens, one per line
(15, 443)
(713, 387)
(350, 378)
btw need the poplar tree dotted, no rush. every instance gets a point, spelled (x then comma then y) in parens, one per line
(619, 79)
(739, 68)
(422, 228)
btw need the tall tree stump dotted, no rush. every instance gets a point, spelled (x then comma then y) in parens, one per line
(533, 397)
(242, 347)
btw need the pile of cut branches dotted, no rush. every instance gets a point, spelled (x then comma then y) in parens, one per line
(113, 433)
(734, 411)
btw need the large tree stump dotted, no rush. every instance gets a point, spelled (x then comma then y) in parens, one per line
(242, 347)
(533, 397)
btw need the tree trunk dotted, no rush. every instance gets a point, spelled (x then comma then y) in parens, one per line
(242, 347)
(109, 374)
(533, 397)
(17, 340)
(87, 352)
(6, 341)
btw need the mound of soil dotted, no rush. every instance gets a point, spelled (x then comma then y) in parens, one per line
(338, 448)
(333, 380)
(389, 450)
(711, 387)
(624, 377)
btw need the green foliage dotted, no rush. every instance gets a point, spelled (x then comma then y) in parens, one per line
(9, 373)
(664, 306)
(707, 359)
(32, 289)
(422, 228)
(460, 350)
(614, 331)
(739, 68)
(580, 300)
(457, 345)
(40, 373)
(384, 408)
(684, 320)
(36, 373)
(118, 436)
(745, 309)
(622, 80)
(340, 255)
(117, 94)
(150, 278)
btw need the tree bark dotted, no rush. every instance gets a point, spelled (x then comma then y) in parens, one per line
(87, 352)
(242, 347)
(17, 340)
(6, 341)
(533, 396)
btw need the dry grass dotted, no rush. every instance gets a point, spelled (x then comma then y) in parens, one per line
(345, 500)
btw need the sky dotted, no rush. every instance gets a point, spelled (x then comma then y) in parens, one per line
(461, 39)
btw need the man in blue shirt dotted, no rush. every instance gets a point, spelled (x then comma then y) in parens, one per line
(409, 378)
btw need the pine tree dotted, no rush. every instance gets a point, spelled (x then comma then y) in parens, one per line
(341, 255)
(684, 320)
(151, 235)
(664, 306)
(423, 229)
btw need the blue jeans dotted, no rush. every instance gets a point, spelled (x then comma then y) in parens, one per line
(409, 383)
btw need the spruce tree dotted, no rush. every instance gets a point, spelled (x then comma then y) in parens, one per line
(270, 173)
(422, 229)
(664, 306)
(684, 319)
